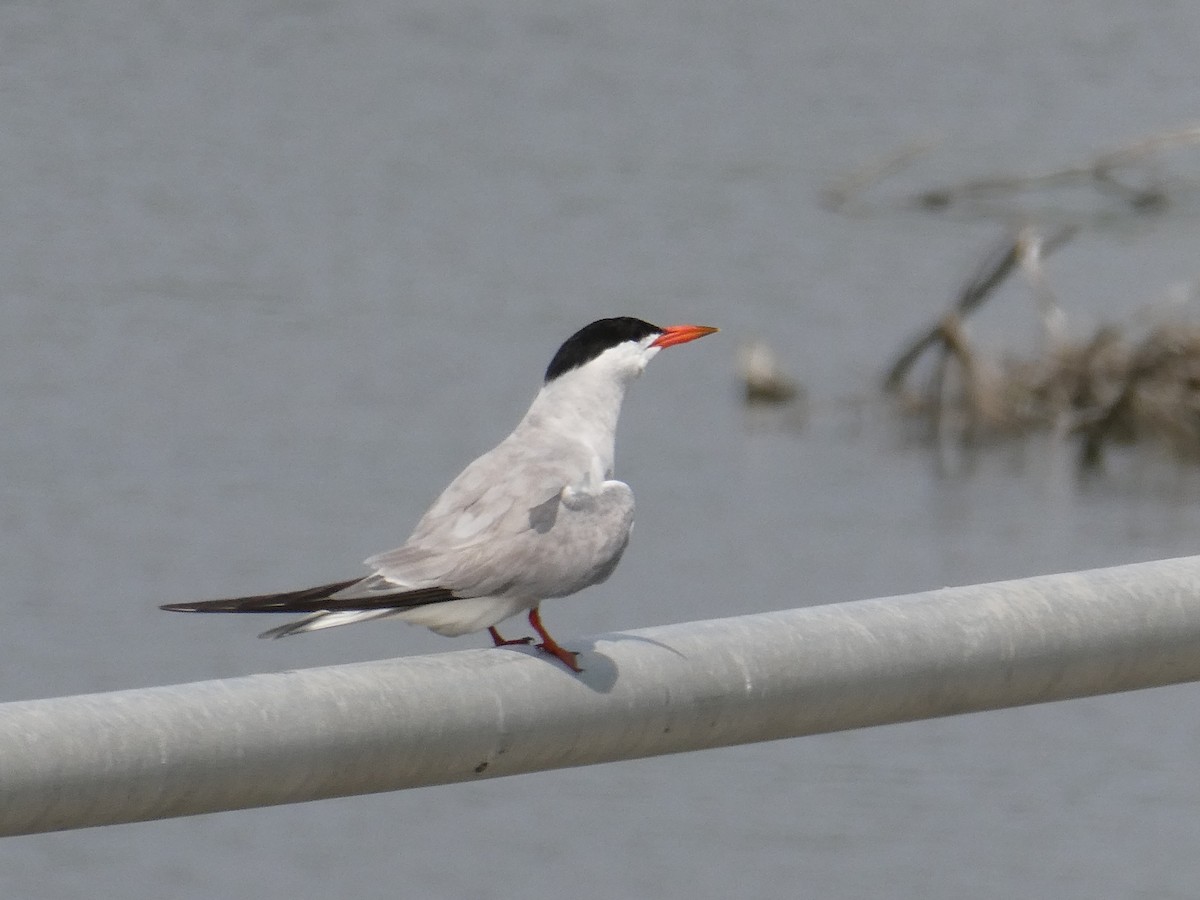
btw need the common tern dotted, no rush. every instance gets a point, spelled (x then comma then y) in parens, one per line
(538, 516)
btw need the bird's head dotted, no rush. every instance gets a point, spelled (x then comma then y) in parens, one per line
(620, 347)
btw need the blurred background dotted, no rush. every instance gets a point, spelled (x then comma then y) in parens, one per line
(271, 274)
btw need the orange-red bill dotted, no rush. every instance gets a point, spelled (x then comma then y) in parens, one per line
(681, 334)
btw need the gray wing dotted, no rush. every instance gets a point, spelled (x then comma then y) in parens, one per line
(519, 521)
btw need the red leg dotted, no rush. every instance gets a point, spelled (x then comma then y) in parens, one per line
(549, 645)
(501, 642)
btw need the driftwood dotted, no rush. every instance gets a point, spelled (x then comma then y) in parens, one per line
(994, 270)
(1159, 398)
(1108, 389)
(1104, 172)
(1124, 173)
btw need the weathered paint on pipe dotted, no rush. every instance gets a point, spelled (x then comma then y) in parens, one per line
(98, 759)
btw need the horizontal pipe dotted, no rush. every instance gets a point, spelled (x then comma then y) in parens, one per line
(74, 762)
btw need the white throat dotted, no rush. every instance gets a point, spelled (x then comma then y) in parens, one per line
(585, 403)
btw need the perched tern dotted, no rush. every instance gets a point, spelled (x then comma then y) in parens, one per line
(538, 516)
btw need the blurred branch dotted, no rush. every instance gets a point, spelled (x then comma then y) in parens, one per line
(1001, 262)
(1099, 171)
(844, 189)
(1107, 172)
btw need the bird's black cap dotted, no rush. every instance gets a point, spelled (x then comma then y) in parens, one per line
(592, 340)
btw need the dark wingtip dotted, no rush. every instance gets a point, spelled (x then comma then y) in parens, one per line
(306, 600)
(318, 599)
(205, 606)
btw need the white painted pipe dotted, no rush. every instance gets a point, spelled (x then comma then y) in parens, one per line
(98, 759)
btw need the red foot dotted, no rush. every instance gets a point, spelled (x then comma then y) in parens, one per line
(568, 658)
(549, 645)
(501, 642)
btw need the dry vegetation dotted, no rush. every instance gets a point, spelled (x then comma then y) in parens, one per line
(1125, 383)
(1116, 386)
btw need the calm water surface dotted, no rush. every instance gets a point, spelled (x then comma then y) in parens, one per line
(271, 274)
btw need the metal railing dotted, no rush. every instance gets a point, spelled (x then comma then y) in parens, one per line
(136, 755)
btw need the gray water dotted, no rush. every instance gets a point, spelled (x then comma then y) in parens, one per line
(270, 274)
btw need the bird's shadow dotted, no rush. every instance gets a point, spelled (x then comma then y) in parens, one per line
(600, 671)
